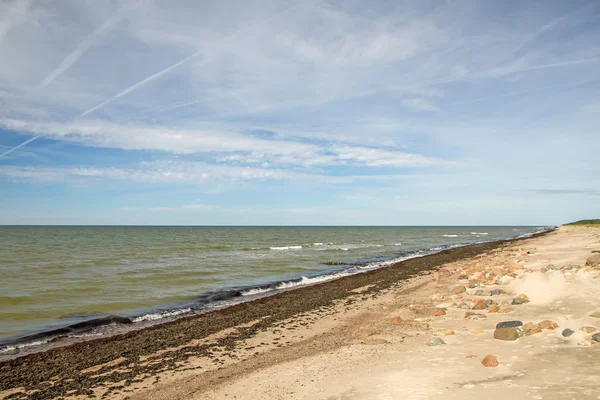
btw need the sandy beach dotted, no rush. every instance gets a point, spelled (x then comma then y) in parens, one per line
(423, 329)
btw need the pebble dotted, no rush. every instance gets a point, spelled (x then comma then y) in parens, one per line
(593, 260)
(477, 332)
(496, 292)
(459, 289)
(568, 332)
(533, 331)
(546, 324)
(493, 309)
(504, 280)
(588, 329)
(506, 334)
(435, 341)
(595, 314)
(463, 305)
(529, 326)
(439, 312)
(474, 316)
(509, 324)
(521, 299)
(596, 337)
(396, 320)
(490, 361)
(471, 356)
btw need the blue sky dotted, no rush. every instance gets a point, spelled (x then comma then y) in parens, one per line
(311, 112)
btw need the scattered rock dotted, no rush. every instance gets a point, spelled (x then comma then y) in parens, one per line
(439, 312)
(549, 267)
(593, 260)
(490, 361)
(471, 356)
(477, 332)
(520, 299)
(444, 332)
(509, 324)
(396, 320)
(568, 332)
(533, 331)
(596, 337)
(493, 309)
(547, 324)
(496, 292)
(529, 326)
(459, 289)
(506, 334)
(504, 280)
(435, 341)
(588, 329)
(474, 316)
(463, 305)
(595, 314)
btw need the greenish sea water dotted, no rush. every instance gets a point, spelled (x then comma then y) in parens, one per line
(52, 277)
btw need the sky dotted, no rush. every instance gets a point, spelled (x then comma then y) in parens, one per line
(299, 113)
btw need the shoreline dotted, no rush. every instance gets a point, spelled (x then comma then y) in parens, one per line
(115, 324)
(62, 365)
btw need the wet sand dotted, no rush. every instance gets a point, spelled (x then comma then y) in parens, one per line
(193, 356)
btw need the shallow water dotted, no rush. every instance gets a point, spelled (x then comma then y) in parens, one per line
(52, 277)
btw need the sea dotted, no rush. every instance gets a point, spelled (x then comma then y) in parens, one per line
(77, 281)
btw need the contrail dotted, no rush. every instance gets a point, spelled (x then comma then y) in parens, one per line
(19, 146)
(140, 83)
(78, 52)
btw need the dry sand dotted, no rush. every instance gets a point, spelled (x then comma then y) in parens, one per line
(364, 351)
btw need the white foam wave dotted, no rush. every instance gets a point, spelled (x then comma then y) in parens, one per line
(309, 281)
(286, 248)
(450, 236)
(23, 345)
(252, 292)
(156, 316)
(397, 244)
(479, 233)
(318, 244)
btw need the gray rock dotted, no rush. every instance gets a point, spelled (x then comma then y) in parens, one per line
(496, 292)
(568, 332)
(593, 260)
(596, 337)
(507, 334)
(509, 324)
(435, 341)
(517, 301)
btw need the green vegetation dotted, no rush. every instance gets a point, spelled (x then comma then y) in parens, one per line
(595, 222)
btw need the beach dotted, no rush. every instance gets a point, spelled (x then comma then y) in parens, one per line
(418, 329)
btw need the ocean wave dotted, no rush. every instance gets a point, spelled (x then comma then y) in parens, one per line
(450, 236)
(286, 248)
(160, 315)
(21, 346)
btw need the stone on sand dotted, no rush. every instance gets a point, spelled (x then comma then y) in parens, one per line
(477, 332)
(588, 329)
(596, 337)
(439, 312)
(459, 289)
(520, 299)
(490, 361)
(444, 332)
(504, 280)
(396, 320)
(435, 341)
(568, 332)
(533, 331)
(506, 310)
(506, 334)
(508, 324)
(595, 314)
(593, 260)
(547, 324)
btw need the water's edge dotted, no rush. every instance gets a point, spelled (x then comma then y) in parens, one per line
(108, 325)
